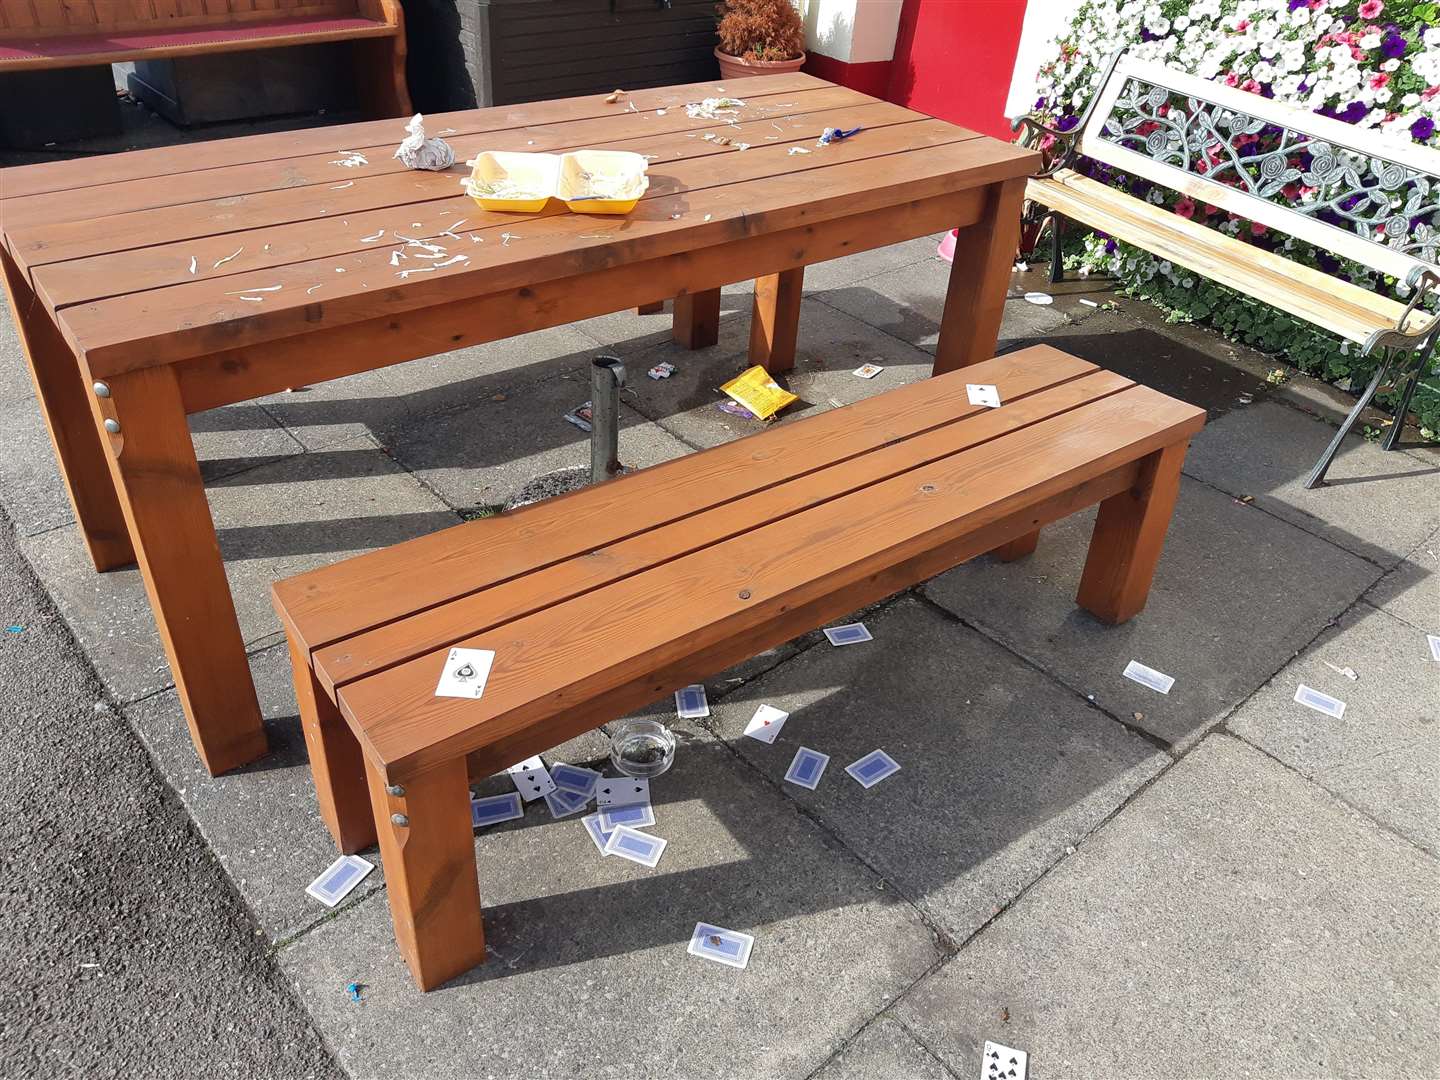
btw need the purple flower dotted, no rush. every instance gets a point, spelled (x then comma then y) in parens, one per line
(1110, 247)
(1354, 112)
(1393, 45)
(1296, 5)
(1067, 122)
(1423, 128)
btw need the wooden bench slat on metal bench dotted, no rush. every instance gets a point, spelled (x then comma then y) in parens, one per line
(1349, 310)
(735, 593)
(360, 656)
(337, 602)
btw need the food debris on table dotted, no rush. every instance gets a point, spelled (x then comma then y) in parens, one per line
(267, 288)
(714, 108)
(372, 237)
(221, 262)
(395, 257)
(342, 187)
(353, 159)
(798, 150)
(192, 264)
(614, 96)
(312, 288)
(505, 238)
(417, 152)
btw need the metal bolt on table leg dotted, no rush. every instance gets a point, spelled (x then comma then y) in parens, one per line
(399, 819)
(112, 426)
(396, 790)
(102, 389)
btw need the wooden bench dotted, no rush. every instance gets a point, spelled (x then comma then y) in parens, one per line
(38, 35)
(602, 601)
(1374, 202)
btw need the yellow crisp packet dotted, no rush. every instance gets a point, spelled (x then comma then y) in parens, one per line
(758, 392)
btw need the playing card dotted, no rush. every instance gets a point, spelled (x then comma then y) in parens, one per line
(1148, 676)
(573, 778)
(636, 846)
(634, 815)
(1002, 1062)
(807, 767)
(531, 778)
(983, 394)
(849, 634)
(1323, 703)
(565, 803)
(598, 835)
(622, 791)
(338, 879)
(867, 371)
(872, 768)
(465, 673)
(495, 809)
(723, 946)
(1434, 640)
(690, 703)
(765, 725)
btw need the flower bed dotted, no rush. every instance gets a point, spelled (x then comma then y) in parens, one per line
(1373, 63)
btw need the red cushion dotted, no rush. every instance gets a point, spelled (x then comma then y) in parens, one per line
(139, 41)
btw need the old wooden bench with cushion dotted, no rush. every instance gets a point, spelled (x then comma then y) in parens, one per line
(86, 33)
(1374, 202)
(599, 602)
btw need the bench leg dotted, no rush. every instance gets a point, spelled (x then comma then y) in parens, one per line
(1392, 437)
(1317, 474)
(428, 850)
(153, 466)
(775, 319)
(336, 763)
(979, 280)
(1057, 237)
(697, 319)
(651, 309)
(1017, 548)
(65, 403)
(1129, 535)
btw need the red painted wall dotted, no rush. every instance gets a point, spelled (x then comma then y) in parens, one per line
(954, 59)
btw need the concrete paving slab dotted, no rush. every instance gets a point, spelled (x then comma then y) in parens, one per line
(30, 486)
(588, 972)
(232, 439)
(483, 455)
(1227, 570)
(385, 400)
(272, 521)
(1411, 591)
(885, 1050)
(1000, 768)
(1376, 504)
(1233, 922)
(1382, 757)
(831, 346)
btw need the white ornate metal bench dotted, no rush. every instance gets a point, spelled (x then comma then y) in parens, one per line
(1364, 198)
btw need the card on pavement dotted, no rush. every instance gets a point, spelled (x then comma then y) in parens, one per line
(495, 809)
(622, 791)
(807, 767)
(1002, 1062)
(565, 803)
(867, 371)
(849, 634)
(635, 815)
(1324, 703)
(636, 846)
(597, 835)
(1434, 640)
(573, 778)
(690, 702)
(765, 725)
(531, 778)
(465, 673)
(723, 946)
(338, 879)
(1148, 676)
(872, 768)
(983, 394)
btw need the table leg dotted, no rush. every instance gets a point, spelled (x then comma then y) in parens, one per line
(697, 319)
(152, 462)
(336, 762)
(428, 848)
(979, 278)
(1129, 535)
(651, 309)
(65, 402)
(775, 319)
(1017, 548)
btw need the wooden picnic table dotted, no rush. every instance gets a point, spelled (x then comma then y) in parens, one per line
(150, 285)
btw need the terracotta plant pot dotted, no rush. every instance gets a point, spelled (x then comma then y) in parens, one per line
(737, 67)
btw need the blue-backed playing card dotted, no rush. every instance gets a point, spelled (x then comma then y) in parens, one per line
(565, 803)
(338, 879)
(690, 703)
(597, 834)
(573, 778)
(723, 946)
(849, 634)
(872, 768)
(807, 768)
(495, 809)
(636, 846)
(636, 815)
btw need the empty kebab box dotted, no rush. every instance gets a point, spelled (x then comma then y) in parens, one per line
(534, 175)
(619, 176)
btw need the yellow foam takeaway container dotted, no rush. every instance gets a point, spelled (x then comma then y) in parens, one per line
(602, 181)
(515, 182)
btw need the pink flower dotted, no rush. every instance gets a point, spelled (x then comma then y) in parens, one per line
(1232, 79)
(1429, 92)
(1047, 142)
(1250, 86)
(1256, 229)
(1185, 207)
(1371, 9)
(1380, 78)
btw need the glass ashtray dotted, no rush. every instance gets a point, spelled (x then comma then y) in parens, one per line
(642, 748)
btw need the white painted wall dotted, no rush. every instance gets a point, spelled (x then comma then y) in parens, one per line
(852, 31)
(1044, 22)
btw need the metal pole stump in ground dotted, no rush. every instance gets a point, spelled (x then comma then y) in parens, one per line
(607, 375)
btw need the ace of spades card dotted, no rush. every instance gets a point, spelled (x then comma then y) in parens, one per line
(465, 673)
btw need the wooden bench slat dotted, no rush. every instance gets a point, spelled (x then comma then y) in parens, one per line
(604, 640)
(415, 635)
(168, 325)
(391, 204)
(1347, 309)
(332, 603)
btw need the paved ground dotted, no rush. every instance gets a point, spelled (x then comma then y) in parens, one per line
(1210, 883)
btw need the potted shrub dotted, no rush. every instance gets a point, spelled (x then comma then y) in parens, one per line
(759, 37)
